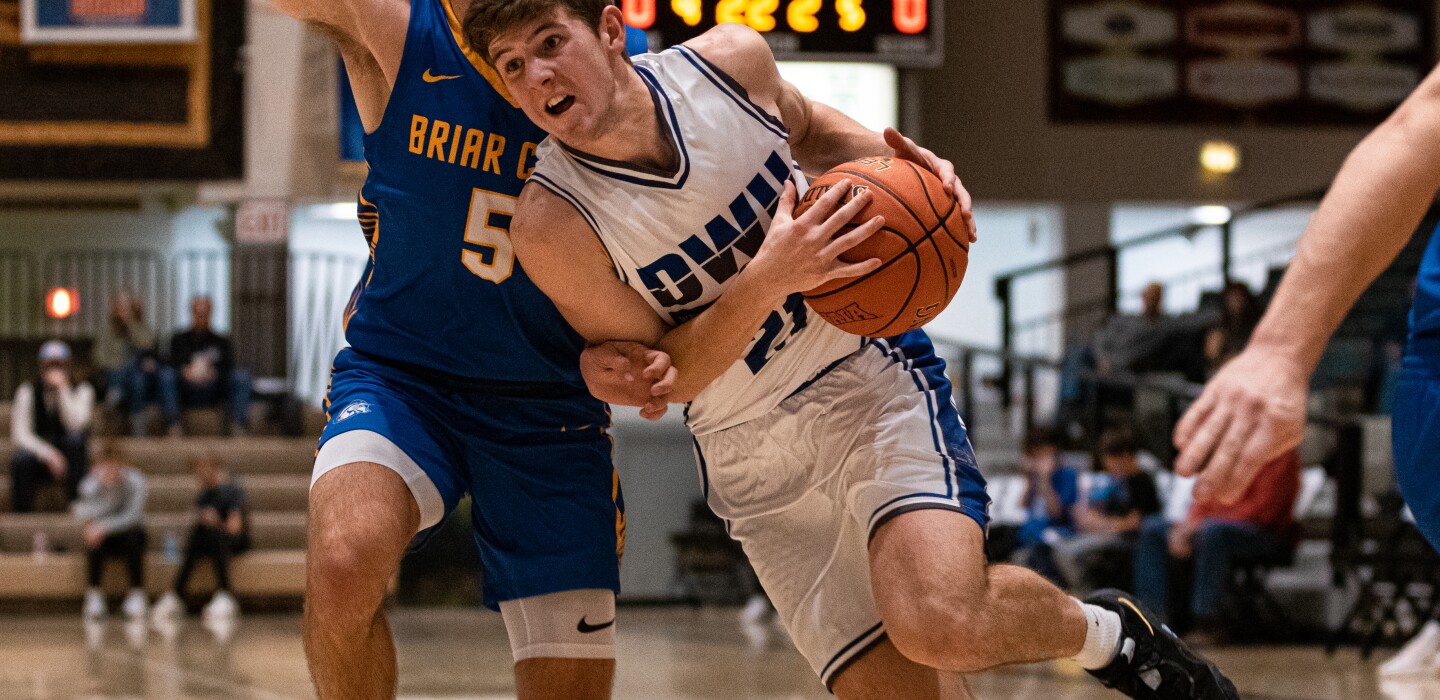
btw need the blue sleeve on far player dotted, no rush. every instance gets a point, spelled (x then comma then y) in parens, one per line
(635, 42)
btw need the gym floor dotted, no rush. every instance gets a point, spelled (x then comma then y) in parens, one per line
(665, 654)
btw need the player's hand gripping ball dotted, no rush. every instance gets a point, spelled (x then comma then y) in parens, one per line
(924, 248)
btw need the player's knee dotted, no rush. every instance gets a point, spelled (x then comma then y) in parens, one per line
(346, 574)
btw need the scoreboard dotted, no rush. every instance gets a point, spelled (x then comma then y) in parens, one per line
(898, 32)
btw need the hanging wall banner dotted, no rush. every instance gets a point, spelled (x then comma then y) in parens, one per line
(1253, 62)
(107, 21)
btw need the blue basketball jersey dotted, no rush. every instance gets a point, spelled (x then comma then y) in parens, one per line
(442, 289)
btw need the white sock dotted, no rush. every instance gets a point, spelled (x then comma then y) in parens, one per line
(1102, 637)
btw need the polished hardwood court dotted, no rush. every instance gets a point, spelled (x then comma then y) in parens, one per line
(665, 654)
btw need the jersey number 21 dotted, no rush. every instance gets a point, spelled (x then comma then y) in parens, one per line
(487, 251)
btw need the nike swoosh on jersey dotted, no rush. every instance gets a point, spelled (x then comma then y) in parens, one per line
(429, 78)
(584, 627)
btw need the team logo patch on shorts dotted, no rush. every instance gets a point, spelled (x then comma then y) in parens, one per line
(355, 408)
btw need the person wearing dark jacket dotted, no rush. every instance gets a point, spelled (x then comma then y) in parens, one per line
(220, 532)
(204, 362)
(50, 424)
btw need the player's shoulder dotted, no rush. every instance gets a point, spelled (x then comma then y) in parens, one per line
(742, 53)
(543, 215)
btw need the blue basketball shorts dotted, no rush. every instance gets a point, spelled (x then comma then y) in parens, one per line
(546, 506)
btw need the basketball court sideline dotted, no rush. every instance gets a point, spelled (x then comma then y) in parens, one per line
(669, 653)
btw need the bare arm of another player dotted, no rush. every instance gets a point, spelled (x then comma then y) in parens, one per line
(565, 259)
(1254, 409)
(821, 137)
(371, 37)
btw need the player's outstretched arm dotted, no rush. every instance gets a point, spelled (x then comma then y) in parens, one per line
(1253, 410)
(821, 137)
(565, 259)
(371, 38)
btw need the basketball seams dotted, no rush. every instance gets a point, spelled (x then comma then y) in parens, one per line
(923, 275)
(914, 287)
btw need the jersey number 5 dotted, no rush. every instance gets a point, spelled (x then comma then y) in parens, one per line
(487, 251)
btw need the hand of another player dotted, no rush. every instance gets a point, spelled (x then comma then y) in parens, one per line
(802, 253)
(1250, 413)
(629, 374)
(943, 169)
(209, 517)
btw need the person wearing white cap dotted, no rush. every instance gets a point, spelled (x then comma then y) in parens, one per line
(50, 424)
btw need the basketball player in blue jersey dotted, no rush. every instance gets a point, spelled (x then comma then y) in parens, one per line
(660, 212)
(461, 377)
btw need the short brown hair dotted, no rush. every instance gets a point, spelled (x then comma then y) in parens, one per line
(1040, 437)
(488, 19)
(1119, 441)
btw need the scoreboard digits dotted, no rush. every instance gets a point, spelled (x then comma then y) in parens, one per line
(904, 32)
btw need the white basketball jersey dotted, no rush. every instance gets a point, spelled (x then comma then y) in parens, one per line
(681, 237)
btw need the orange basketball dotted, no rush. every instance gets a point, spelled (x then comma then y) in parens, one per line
(924, 246)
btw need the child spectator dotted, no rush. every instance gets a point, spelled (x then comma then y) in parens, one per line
(1216, 537)
(50, 424)
(1051, 491)
(111, 508)
(219, 533)
(1108, 521)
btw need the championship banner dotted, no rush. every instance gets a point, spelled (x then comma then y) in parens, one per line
(107, 21)
(1251, 62)
(99, 111)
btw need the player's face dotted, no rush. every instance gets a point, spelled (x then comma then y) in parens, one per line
(559, 71)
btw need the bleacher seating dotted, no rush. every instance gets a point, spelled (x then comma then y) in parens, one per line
(274, 471)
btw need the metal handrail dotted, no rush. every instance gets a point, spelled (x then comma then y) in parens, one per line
(1004, 284)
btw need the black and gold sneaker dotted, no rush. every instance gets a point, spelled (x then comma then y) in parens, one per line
(1153, 664)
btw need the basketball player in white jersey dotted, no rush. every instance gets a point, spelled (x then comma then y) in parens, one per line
(660, 212)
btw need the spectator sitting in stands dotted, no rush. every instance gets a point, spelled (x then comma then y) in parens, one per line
(1051, 491)
(1109, 517)
(50, 424)
(111, 508)
(219, 533)
(205, 363)
(1239, 314)
(127, 357)
(1258, 528)
(1128, 338)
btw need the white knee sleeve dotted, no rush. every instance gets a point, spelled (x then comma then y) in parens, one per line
(566, 625)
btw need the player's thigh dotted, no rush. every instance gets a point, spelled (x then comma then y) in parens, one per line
(925, 556)
(362, 516)
(382, 471)
(548, 510)
(883, 673)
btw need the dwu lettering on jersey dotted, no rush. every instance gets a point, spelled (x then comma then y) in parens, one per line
(672, 279)
(460, 145)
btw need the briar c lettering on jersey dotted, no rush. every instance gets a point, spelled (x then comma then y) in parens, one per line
(671, 279)
(460, 145)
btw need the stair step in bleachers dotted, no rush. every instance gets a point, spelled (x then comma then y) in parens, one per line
(267, 573)
(268, 530)
(176, 492)
(248, 455)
